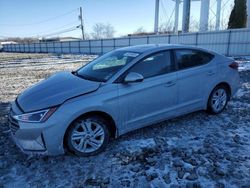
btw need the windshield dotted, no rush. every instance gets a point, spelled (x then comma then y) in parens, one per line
(104, 67)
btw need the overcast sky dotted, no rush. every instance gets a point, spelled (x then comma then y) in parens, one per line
(26, 18)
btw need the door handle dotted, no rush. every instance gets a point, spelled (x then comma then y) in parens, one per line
(210, 73)
(170, 83)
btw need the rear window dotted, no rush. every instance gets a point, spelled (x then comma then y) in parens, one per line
(192, 58)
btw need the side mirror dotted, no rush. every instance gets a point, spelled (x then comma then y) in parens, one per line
(133, 77)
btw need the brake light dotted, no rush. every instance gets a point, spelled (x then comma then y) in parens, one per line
(234, 65)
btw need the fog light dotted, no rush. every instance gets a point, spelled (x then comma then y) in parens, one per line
(36, 145)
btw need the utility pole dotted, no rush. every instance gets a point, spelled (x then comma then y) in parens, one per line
(204, 14)
(156, 16)
(176, 20)
(81, 26)
(218, 10)
(186, 16)
(248, 13)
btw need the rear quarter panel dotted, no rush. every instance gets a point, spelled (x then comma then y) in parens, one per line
(228, 75)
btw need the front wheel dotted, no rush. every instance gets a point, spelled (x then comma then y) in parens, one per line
(87, 136)
(218, 99)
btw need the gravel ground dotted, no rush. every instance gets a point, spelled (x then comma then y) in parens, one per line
(195, 150)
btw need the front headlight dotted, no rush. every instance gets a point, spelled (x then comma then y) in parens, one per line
(35, 117)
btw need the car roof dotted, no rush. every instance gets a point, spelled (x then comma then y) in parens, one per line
(154, 47)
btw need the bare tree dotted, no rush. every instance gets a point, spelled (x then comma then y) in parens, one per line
(166, 27)
(140, 30)
(194, 25)
(211, 26)
(21, 40)
(225, 16)
(87, 36)
(100, 31)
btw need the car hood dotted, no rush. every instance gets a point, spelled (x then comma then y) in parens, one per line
(54, 91)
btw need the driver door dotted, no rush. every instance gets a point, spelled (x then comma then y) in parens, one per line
(153, 99)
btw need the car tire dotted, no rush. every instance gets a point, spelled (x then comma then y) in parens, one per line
(218, 99)
(87, 136)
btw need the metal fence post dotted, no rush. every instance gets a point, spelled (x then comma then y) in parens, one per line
(46, 46)
(40, 45)
(196, 38)
(61, 47)
(147, 39)
(90, 47)
(114, 43)
(169, 36)
(129, 40)
(70, 47)
(54, 49)
(101, 46)
(79, 46)
(228, 42)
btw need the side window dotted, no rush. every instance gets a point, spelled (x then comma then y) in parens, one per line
(192, 58)
(156, 64)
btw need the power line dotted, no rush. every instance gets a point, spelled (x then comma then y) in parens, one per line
(50, 30)
(163, 9)
(59, 32)
(167, 18)
(40, 22)
(214, 16)
(81, 26)
(168, 23)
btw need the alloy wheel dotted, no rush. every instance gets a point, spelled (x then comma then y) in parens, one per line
(87, 136)
(219, 99)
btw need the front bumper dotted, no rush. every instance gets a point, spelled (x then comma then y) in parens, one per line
(30, 146)
(36, 138)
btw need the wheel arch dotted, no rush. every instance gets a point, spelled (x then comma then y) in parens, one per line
(107, 117)
(225, 84)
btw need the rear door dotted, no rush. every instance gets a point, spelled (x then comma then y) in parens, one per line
(195, 77)
(152, 99)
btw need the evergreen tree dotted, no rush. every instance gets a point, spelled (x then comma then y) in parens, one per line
(238, 16)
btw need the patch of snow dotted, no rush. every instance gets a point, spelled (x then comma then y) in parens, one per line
(244, 65)
(189, 151)
(137, 146)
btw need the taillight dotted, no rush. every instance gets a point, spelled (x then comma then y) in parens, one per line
(234, 65)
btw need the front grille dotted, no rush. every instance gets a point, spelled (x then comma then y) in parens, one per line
(13, 124)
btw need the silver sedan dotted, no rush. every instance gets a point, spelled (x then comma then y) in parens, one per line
(123, 90)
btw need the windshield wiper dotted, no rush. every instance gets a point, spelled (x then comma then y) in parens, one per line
(86, 77)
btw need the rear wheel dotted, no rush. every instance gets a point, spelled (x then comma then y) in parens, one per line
(87, 136)
(218, 99)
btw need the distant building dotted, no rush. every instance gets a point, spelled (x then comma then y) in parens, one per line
(8, 42)
(69, 39)
(150, 33)
(57, 39)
